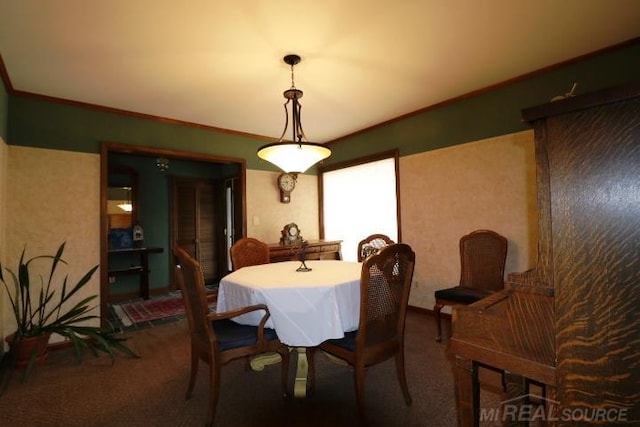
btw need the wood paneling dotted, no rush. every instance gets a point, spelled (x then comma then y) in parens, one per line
(594, 169)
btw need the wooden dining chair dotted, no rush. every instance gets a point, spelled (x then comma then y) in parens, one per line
(385, 281)
(215, 338)
(372, 244)
(483, 254)
(249, 251)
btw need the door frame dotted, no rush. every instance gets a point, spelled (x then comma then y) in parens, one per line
(138, 150)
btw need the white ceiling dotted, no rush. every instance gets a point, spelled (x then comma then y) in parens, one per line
(219, 63)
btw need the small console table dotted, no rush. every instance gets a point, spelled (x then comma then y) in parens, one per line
(316, 249)
(141, 269)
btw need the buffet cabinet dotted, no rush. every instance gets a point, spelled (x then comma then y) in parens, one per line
(316, 250)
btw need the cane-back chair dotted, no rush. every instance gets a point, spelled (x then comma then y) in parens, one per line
(249, 251)
(372, 244)
(483, 254)
(385, 282)
(215, 338)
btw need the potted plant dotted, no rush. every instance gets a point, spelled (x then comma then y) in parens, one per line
(41, 307)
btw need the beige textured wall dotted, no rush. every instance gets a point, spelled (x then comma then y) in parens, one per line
(266, 216)
(53, 196)
(450, 192)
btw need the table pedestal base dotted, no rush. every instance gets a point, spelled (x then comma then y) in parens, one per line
(302, 371)
(259, 362)
(302, 368)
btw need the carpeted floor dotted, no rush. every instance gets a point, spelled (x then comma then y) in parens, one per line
(150, 391)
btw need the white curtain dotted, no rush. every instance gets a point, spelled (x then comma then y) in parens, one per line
(359, 201)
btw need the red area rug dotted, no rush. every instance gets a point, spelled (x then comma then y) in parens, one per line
(153, 309)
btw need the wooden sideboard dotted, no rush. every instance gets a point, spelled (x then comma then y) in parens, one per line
(316, 249)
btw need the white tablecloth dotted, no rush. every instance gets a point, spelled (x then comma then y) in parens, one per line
(306, 308)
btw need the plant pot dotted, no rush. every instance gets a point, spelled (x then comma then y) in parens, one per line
(23, 349)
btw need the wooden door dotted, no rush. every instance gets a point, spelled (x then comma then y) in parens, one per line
(195, 223)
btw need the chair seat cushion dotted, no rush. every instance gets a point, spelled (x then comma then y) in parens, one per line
(233, 335)
(462, 294)
(348, 342)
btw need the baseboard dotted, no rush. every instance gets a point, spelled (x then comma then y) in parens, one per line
(428, 312)
(133, 295)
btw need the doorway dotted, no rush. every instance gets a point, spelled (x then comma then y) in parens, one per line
(157, 221)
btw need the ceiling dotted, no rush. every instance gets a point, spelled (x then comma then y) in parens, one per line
(219, 63)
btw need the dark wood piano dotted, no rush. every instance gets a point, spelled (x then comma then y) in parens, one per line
(572, 323)
(511, 330)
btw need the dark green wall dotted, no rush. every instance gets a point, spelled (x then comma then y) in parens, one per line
(38, 122)
(4, 110)
(42, 123)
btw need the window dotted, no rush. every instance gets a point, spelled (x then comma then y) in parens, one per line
(360, 199)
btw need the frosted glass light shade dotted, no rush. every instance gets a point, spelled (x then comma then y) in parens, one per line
(294, 157)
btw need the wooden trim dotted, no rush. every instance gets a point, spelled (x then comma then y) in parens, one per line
(165, 152)
(4, 75)
(104, 236)
(427, 312)
(131, 295)
(360, 160)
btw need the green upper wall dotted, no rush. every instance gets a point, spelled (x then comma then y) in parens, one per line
(38, 122)
(4, 110)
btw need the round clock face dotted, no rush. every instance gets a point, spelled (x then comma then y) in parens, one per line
(293, 231)
(286, 182)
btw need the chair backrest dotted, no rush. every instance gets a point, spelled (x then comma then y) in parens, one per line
(372, 244)
(483, 254)
(191, 282)
(385, 283)
(249, 251)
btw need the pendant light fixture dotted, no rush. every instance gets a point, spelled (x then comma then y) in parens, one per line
(297, 155)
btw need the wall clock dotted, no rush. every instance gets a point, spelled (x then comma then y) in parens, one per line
(286, 184)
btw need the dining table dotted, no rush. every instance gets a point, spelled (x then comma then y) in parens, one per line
(306, 307)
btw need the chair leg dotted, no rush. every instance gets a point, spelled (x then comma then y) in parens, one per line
(194, 371)
(214, 390)
(402, 377)
(436, 311)
(284, 354)
(311, 372)
(359, 372)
